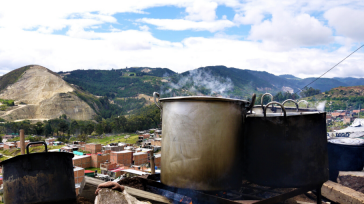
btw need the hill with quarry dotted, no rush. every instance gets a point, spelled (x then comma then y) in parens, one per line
(40, 94)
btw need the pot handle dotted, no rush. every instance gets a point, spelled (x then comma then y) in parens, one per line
(274, 102)
(291, 101)
(303, 101)
(261, 100)
(155, 95)
(250, 108)
(32, 143)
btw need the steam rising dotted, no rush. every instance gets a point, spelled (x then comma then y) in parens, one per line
(321, 106)
(199, 82)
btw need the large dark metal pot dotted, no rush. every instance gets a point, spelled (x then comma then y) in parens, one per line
(39, 178)
(286, 151)
(201, 141)
(344, 158)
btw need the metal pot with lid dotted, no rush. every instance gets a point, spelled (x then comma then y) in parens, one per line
(345, 154)
(202, 141)
(45, 177)
(286, 150)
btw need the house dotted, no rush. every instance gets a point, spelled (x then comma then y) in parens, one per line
(338, 114)
(157, 160)
(140, 158)
(156, 142)
(26, 142)
(97, 159)
(9, 145)
(93, 148)
(124, 157)
(50, 141)
(356, 112)
(348, 119)
(83, 161)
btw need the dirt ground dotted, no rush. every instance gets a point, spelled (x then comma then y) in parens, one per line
(131, 182)
(82, 200)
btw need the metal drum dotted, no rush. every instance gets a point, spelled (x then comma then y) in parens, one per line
(344, 157)
(39, 178)
(202, 142)
(286, 151)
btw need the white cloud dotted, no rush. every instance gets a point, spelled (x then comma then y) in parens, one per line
(347, 22)
(139, 48)
(181, 24)
(202, 10)
(249, 17)
(287, 31)
(292, 26)
(144, 28)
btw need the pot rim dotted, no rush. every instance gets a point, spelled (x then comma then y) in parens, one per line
(289, 114)
(202, 98)
(20, 157)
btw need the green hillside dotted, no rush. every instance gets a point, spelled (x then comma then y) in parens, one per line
(12, 77)
(119, 82)
(341, 98)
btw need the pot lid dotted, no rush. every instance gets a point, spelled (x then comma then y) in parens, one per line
(202, 98)
(260, 115)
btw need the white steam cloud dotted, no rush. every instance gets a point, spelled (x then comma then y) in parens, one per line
(321, 106)
(199, 82)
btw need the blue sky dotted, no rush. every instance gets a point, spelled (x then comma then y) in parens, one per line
(303, 38)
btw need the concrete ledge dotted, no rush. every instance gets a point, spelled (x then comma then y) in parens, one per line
(341, 194)
(92, 183)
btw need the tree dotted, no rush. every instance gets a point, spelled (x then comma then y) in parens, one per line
(99, 129)
(39, 128)
(48, 129)
(64, 116)
(307, 92)
(74, 127)
(89, 128)
(82, 137)
(63, 126)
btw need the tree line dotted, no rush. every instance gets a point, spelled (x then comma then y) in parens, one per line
(146, 118)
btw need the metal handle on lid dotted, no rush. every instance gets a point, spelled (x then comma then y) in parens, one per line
(252, 103)
(155, 95)
(303, 102)
(290, 100)
(32, 143)
(274, 102)
(261, 100)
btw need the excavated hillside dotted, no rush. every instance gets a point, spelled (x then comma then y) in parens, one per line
(41, 94)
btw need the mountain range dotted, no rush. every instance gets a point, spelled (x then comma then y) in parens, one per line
(211, 80)
(39, 93)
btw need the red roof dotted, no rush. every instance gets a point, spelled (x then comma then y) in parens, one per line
(335, 114)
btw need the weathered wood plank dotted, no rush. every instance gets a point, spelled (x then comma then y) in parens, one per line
(92, 183)
(341, 194)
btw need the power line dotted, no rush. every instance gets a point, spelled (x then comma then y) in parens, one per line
(331, 68)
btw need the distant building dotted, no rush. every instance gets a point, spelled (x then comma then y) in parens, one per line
(348, 119)
(338, 114)
(356, 111)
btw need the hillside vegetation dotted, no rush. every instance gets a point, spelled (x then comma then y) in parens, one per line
(341, 98)
(118, 82)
